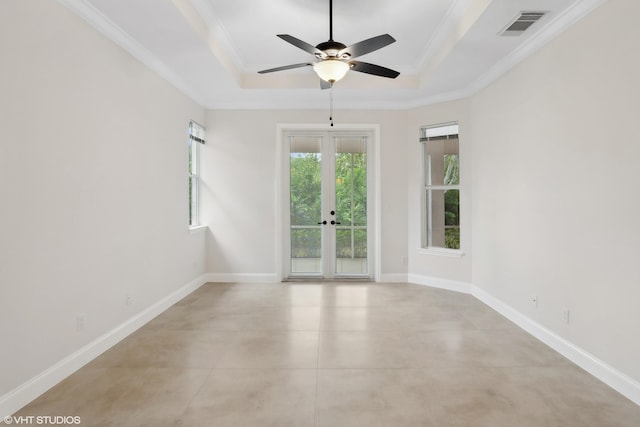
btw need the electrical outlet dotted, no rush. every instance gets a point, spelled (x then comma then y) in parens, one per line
(534, 300)
(565, 315)
(80, 323)
(127, 300)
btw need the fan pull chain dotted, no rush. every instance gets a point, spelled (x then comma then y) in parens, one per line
(331, 105)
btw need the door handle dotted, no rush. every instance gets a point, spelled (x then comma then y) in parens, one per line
(323, 223)
(335, 222)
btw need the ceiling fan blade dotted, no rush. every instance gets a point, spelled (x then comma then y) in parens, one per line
(368, 46)
(286, 67)
(376, 70)
(300, 44)
(324, 84)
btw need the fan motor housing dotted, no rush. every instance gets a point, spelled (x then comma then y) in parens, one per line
(331, 48)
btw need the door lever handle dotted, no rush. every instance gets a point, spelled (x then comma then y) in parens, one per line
(323, 223)
(335, 222)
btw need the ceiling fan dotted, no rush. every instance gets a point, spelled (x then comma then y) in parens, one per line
(334, 59)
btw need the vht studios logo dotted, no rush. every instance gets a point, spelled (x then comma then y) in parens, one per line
(42, 419)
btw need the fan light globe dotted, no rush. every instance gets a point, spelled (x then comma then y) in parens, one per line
(331, 70)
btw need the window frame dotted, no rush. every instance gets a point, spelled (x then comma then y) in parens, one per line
(426, 245)
(196, 137)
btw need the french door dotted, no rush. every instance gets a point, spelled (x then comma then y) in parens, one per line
(327, 187)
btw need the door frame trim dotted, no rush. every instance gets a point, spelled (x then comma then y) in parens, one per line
(281, 128)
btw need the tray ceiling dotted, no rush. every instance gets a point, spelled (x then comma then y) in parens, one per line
(212, 49)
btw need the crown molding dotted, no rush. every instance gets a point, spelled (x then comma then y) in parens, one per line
(113, 32)
(553, 29)
(219, 32)
(104, 25)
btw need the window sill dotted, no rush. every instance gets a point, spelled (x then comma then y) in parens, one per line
(197, 229)
(452, 253)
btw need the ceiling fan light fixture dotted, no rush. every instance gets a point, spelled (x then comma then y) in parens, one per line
(335, 58)
(331, 70)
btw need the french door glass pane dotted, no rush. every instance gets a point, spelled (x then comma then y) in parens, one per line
(351, 205)
(305, 165)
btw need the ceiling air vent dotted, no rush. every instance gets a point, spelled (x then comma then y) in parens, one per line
(521, 23)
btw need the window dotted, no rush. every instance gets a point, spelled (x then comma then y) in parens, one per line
(441, 194)
(196, 137)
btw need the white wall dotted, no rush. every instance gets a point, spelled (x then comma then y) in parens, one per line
(555, 146)
(240, 183)
(93, 187)
(93, 180)
(425, 266)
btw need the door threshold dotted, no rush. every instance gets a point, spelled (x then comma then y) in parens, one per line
(325, 280)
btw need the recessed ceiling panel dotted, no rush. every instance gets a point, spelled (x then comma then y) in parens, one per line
(212, 49)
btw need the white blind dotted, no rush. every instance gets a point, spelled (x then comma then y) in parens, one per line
(439, 132)
(196, 132)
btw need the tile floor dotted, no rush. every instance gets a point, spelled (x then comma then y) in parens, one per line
(333, 355)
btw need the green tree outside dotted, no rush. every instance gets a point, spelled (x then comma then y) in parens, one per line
(452, 202)
(350, 204)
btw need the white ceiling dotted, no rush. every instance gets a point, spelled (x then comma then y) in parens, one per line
(212, 49)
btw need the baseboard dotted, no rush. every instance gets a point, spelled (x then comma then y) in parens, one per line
(615, 379)
(394, 278)
(273, 278)
(437, 282)
(242, 278)
(30, 390)
(22, 395)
